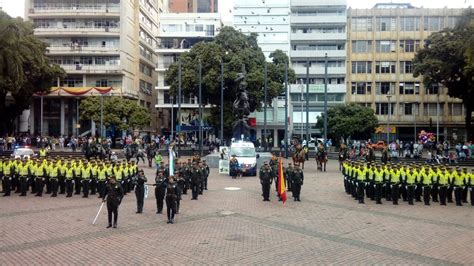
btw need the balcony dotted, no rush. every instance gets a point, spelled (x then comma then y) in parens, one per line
(318, 53)
(308, 20)
(162, 50)
(301, 70)
(317, 36)
(67, 10)
(318, 88)
(74, 31)
(317, 3)
(186, 103)
(92, 69)
(82, 50)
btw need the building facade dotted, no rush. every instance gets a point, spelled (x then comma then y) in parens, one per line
(318, 34)
(107, 47)
(193, 6)
(382, 43)
(178, 33)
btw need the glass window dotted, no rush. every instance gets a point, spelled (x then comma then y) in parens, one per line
(386, 23)
(361, 67)
(361, 46)
(385, 46)
(361, 87)
(406, 67)
(409, 23)
(362, 24)
(385, 67)
(430, 109)
(409, 88)
(383, 108)
(433, 89)
(433, 23)
(455, 109)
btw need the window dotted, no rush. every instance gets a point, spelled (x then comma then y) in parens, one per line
(406, 67)
(452, 21)
(386, 23)
(145, 69)
(433, 89)
(385, 46)
(145, 87)
(102, 83)
(409, 88)
(382, 88)
(408, 108)
(71, 82)
(361, 46)
(409, 23)
(409, 46)
(361, 67)
(385, 67)
(383, 108)
(455, 109)
(362, 24)
(361, 87)
(433, 23)
(430, 109)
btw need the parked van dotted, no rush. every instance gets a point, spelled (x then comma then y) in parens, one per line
(245, 153)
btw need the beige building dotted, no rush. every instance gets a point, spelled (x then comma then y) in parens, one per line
(107, 47)
(382, 42)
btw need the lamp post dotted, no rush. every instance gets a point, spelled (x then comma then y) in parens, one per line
(308, 137)
(200, 107)
(414, 119)
(102, 115)
(172, 119)
(222, 102)
(41, 115)
(179, 107)
(265, 109)
(326, 98)
(437, 116)
(286, 111)
(388, 119)
(302, 97)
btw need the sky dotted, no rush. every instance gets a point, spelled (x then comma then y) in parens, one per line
(17, 7)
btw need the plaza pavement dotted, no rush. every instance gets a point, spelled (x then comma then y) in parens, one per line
(237, 227)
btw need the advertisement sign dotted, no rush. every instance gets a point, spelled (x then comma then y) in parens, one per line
(224, 167)
(383, 130)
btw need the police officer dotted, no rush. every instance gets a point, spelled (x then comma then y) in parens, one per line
(8, 170)
(289, 177)
(53, 178)
(113, 195)
(179, 189)
(70, 179)
(207, 171)
(266, 177)
(378, 183)
(140, 181)
(160, 189)
(195, 181)
(171, 197)
(40, 173)
(102, 178)
(298, 179)
(234, 167)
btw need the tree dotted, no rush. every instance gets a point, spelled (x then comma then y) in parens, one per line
(24, 68)
(234, 49)
(352, 120)
(448, 59)
(124, 113)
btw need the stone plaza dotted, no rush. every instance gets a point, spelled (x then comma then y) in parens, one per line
(236, 227)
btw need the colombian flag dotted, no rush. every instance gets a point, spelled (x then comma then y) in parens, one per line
(281, 181)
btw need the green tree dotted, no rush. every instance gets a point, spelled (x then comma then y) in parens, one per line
(352, 120)
(447, 59)
(124, 113)
(24, 68)
(234, 49)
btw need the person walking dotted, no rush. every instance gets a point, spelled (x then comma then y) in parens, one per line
(113, 196)
(171, 197)
(140, 190)
(266, 177)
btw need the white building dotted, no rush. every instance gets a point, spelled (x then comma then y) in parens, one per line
(269, 19)
(318, 28)
(178, 33)
(105, 46)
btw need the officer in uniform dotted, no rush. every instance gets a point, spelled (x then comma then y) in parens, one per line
(361, 179)
(458, 182)
(394, 183)
(180, 184)
(114, 195)
(23, 174)
(289, 177)
(7, 170)
(274, 166)
(434, 180)
(378, 184)
(298, 179)
(53, 178)
(69, 178)
(471, 186)
(195, 181)
(449, 192)
(202, 171)
(86, 173)
(207, 171)
(93, 183)
(411, 183)
(140, 181)
(160, 189)
(266, 177)
(40, 174)
(78, 177)
(443, 183)
(102, 178)
(171, 197)
(426, 182)
(466, 185)
(62, 177)
(234, 167)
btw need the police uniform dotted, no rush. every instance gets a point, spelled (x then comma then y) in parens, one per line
(266, 177)
(160, 189)
(171, 198)
(140, 190)
(114, 195)
(297, 179)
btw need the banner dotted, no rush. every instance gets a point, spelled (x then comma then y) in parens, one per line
(224, 167)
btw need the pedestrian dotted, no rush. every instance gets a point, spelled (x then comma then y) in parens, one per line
(195, 180)
(289, 177)
(297, 179)
(113, 196)
(140, 181)
(160, 189)
(266, 177)
(171, 197)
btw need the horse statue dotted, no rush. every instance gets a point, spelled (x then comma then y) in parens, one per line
(241, 107)
(342, 157)
(321, 158)
(299, 156)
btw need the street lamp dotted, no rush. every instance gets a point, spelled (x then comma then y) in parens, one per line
(437, 116)
(301, 99)
(388, 119)
(172, 119)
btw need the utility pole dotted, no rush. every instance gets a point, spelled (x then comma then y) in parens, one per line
(222, 102)
(200, 107)
(179, 107)
(326, 98)
(308, 137)
(265, 109)
(286, 110)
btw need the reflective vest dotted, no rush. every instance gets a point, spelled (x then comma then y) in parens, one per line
(102, 174)
(7, 169)
(42, 153)
(69, 173)
(40, 170)
(443, 178)
(53, 172)
(426, 179)
(361, 174)
(395, 176)
(378, 176)
(118, 174)
(411, 178)
(86, 172)
(23, 170)
(459, 179)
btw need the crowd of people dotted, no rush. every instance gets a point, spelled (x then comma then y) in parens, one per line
(107, 180)
(411, 182)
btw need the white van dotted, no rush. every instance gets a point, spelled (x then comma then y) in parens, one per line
(245, 153)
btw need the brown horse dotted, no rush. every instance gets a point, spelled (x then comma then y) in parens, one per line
(299, 158)
(342, 157)
(321, 160)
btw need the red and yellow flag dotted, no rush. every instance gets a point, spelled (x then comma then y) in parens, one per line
(281, 181)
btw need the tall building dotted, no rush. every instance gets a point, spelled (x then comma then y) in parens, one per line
(382, 42)
(107, 47)
(318, 29)
(193, 6)
(178, 33)
(267, 18)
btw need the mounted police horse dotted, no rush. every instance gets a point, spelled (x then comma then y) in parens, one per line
(130, 151)
(342, 157)
(94, 150)
(299, 157)
(321, 159)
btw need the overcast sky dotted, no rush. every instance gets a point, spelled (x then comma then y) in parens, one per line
(16, 7)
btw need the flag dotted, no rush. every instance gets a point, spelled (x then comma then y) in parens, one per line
(281, 181)
(171, 161)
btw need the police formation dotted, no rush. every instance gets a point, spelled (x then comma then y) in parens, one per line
(188, 176)
(293, 176)
(410, 182)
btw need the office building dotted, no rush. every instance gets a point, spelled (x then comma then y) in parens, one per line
(193, 6)
(382, 43)
(107, 47)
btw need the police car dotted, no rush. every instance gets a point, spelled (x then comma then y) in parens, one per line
(23, 153)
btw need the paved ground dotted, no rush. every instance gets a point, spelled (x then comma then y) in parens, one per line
(237, 227)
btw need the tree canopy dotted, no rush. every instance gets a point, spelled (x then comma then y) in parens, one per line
(24, 68)
(352, 120)
(116, 111)
(448, 59)
(234, 49)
